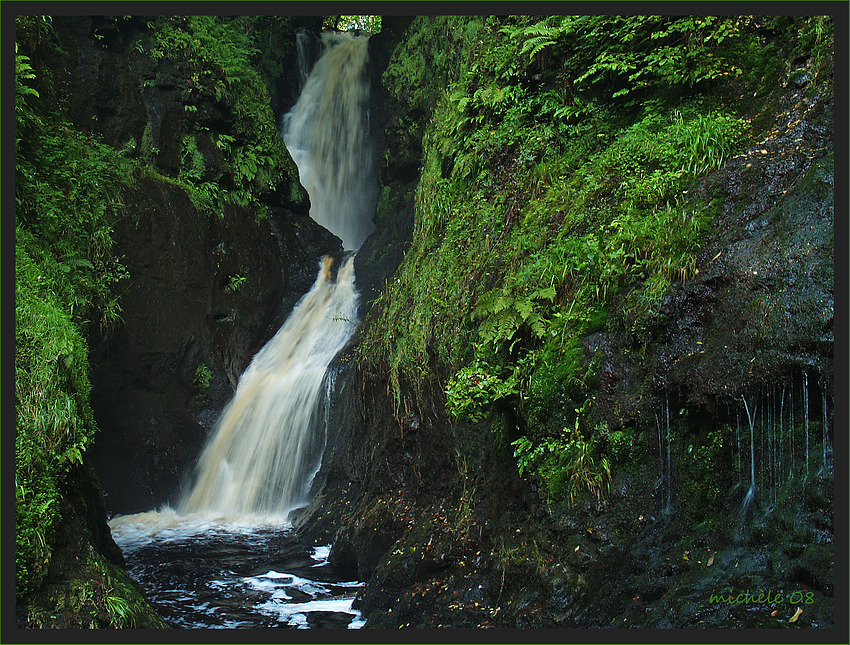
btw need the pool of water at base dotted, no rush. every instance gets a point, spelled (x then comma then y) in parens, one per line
(200, 573)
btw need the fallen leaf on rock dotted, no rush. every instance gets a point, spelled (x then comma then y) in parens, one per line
(796, 615)
(710, 561)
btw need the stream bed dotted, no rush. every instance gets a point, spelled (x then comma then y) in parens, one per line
(200, 573)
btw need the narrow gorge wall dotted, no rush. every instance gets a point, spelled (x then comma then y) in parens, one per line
(161, 379)
(211, 224)
(206, 289)
(434, 510)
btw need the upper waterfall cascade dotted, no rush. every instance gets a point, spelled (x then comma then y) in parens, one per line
(327, 134)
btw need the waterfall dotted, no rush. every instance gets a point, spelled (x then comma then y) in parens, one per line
(262, 453)
(326, 133)
(267, 445)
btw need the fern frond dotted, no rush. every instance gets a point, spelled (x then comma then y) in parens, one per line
(536, 44)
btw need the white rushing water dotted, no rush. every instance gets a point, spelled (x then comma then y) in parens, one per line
(327, 134)
(265, 445)
(204, 573)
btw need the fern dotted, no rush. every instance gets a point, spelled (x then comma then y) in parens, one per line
(502, 315)
(536, 44)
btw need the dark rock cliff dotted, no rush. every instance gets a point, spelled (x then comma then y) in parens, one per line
(205, 290)
(435, 517)
(161, 379)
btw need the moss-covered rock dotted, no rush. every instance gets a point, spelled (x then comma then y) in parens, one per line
(598, 257)
(163, 227)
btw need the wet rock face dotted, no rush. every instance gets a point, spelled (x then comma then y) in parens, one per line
(761, 307)
(758, 314)
(203, 296)
(205, 291)
(763, 303)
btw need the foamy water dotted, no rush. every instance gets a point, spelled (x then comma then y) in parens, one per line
(204, 571)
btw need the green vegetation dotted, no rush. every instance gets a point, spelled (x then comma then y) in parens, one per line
(372, 24)
(219, 58)
(203, 376)
(568, 464)
(553, 203)
(701, 485)
(236, 282)
(103, 596)
(69, 193)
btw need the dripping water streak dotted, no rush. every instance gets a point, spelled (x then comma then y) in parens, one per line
(751, 492)
(768, 439)
(660, 451)
(806, 416)
(738, 438)
(791, 455)
(764, 460)
(825, 427)
(782, 428)
(330, 385)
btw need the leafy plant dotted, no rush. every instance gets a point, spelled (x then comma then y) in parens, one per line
(193, 164)
(203, 376)
(120, 610)
(625, 54)
(54, 422)
(472, 391)
(23, 73)
(502, 315)
(235, 282)
(705, 141)
(568, 465)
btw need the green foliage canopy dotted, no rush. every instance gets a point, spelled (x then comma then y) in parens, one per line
(553, 200)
